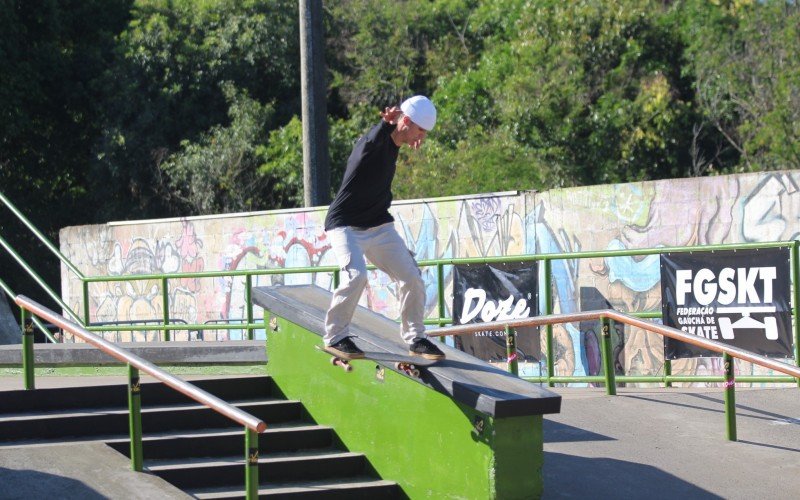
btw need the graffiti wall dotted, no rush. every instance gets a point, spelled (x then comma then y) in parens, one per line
(725, 209)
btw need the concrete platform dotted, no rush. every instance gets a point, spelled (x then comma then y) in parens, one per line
(81, 353)
(81, 471)
(670, 443)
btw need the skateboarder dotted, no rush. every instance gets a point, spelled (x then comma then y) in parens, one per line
(359, 225)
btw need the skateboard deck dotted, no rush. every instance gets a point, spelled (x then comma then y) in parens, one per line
(407, 364)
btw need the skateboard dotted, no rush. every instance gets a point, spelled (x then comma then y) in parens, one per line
(407, 364)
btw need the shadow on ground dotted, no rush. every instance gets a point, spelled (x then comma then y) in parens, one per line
(26, 483)
(601, 478)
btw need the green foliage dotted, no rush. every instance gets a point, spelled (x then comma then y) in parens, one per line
(147, 108)
(52, 58)
(165, 88)
(481, 159)
(219, 172)
(745, 59)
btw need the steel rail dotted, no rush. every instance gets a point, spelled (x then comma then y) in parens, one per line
(666, 331)
(123, 355)
(46, 242)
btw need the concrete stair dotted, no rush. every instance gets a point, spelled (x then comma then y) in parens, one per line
(194, 448)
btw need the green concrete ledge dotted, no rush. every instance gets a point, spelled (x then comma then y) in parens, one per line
(465, 429)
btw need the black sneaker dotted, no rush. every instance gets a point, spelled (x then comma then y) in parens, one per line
(345, 348)
(426, 349)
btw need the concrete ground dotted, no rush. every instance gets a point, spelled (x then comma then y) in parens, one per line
(81, 471)
(642, 443)
(671, 443)
(76, 470)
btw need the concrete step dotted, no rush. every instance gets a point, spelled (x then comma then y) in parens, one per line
(191, 446)
(114, 421)
(189, 474)
(359, 487)
(283, 438)
(153, 394)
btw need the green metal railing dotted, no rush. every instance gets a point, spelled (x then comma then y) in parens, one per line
(728, 352)
(42, 328)
(251, 325)
(31, 272)
(252, 426)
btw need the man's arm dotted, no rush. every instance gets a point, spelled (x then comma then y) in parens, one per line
(389, 116)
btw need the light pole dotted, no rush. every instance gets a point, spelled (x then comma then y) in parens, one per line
(316, 159)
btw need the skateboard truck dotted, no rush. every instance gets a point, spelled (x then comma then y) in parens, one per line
(343, 363)
(407, 368)
(403, 364)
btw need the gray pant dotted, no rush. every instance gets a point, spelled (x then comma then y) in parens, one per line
(387, 250)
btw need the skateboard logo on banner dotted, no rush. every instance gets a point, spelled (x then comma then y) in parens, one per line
(475, 303)
(495, 292)
(741, 286)
(737, 297)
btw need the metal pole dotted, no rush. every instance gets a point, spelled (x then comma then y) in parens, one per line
(165, 308)
(248, 301)
(667, 373)
(608, 361)
(27, 350)
(86, 315)
(251, 463)
(795, 262)
(135, 417)
(511, 351)
(440, 285)
(730, 397)
(316, 159)
(548, 309)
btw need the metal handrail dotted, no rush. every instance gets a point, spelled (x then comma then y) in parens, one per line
(605, 317)
(185, 388)
(38, 279)
(42, 328)
(666, 331)
(40, 236)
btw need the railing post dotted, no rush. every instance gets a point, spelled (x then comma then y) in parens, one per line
(336, 279)
(667, 373)
(135, 417)
(548, 309)
(730, 397)
(86, 315)
(248, 301)
(608, 361)
(251, 463)
(165, 308)
(795, 260)
(511, 350)
(440, 288)
(27, 349)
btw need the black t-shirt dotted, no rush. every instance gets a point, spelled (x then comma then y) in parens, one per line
(366, 192)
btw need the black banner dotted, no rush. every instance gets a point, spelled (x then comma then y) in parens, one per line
(739, 297)
(494, 292)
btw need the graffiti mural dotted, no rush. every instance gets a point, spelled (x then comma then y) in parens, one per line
(756, 207)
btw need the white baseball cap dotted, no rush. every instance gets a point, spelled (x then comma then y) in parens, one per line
(421, 111)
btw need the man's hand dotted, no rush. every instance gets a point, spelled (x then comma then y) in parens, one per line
(390, 115)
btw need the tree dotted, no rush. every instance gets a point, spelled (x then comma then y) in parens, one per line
(164, 92)
(745, 59)
(52, 59)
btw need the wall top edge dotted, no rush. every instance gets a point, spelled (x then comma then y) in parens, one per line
(306, 209)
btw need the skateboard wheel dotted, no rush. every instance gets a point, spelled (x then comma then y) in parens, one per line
(414, 373)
